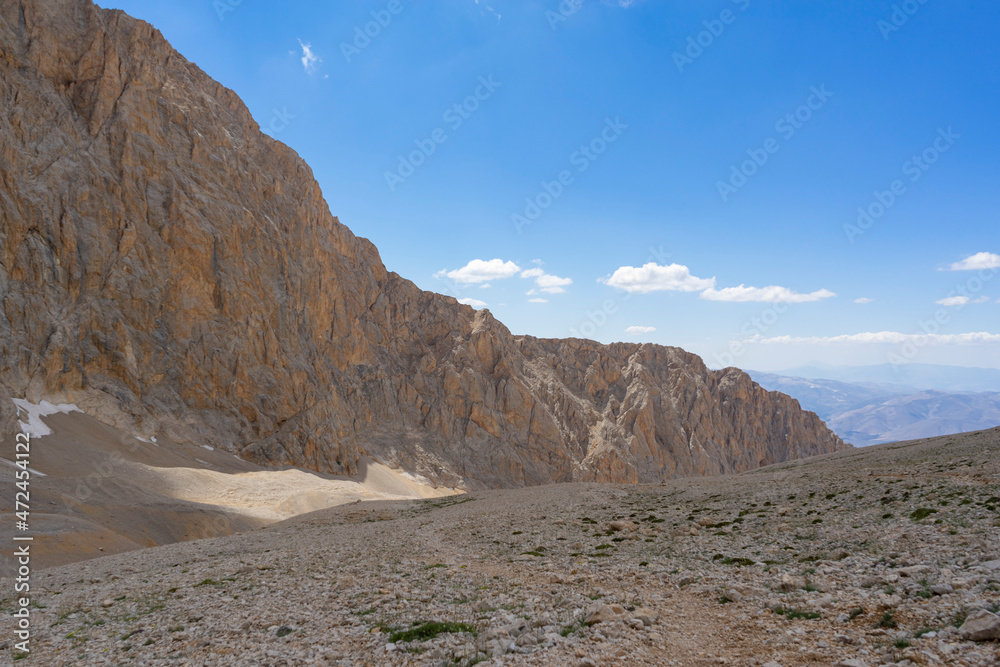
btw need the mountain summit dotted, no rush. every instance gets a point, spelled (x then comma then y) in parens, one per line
(171, 269)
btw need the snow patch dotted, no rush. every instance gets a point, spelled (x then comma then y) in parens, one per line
(35, 427)
(209, 448)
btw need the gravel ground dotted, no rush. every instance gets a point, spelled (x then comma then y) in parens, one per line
(887, 555)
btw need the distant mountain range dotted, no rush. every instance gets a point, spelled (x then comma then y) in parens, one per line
(960, 379)
(928, 400)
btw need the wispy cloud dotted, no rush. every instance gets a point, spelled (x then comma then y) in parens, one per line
(961, 300)
(310, 61)
(864, 299)
(538, 300)
(475, 303)
(638, 330)
(881, 338)
(770, 294)
(977, 262)
(490, 9)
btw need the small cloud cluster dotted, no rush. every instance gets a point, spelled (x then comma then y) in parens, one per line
(484, 272)
(639, 330)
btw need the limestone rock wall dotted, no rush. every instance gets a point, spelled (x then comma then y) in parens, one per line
(172, 269)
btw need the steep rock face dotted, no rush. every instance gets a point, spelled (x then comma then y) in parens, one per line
(171, 269)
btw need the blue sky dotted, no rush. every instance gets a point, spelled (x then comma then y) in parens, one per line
(681, 173)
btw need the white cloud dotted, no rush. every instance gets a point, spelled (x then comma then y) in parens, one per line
(883, 337)
(475, 303)
(979, 261)
(771, 294)
(546, 282)
(864, 299)
(481, 271)
(953, 301)
(309, 59)
(635, 330)
(652, 277)
(538, 300)
(485, 286)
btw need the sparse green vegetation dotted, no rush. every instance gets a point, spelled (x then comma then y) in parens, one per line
(887, 621)
(793, 614)
(429, 630)
(922, 513)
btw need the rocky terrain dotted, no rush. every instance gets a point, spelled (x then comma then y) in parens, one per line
(176, 273)
(888, 555)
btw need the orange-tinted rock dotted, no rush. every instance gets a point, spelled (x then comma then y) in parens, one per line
(170, 268)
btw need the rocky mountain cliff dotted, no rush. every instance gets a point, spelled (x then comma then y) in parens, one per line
(173, 270)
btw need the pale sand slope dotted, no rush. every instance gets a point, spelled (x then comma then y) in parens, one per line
(97, 490)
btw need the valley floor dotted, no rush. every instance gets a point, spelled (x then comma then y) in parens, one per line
(866, 557)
